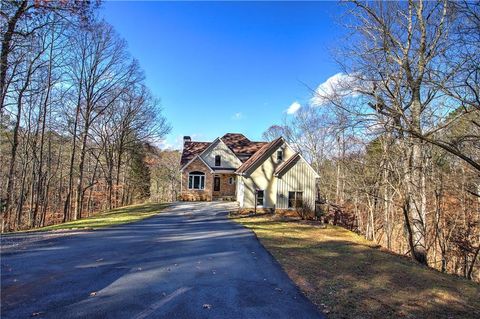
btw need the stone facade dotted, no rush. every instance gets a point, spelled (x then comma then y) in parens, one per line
(197, 194)
(226, 189)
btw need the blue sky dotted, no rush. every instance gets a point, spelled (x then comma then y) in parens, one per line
(228, 66)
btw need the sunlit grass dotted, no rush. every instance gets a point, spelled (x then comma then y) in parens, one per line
(123, 215)
(347, 276)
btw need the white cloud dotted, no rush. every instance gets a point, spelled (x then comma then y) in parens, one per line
(175, 143)
(238, 116)
(340, 84)
(293, 108)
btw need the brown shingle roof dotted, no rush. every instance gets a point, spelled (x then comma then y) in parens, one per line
(236, 142)
(293, 159)
(239, 144)
(258, 155)
(192, 149)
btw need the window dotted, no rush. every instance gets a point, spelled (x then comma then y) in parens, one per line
(196, 180)
(295, 199)
(218, 160)
(231, 180)
(279, 156)
(260, 197)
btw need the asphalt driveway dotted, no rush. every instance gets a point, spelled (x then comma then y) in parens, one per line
(188, 262)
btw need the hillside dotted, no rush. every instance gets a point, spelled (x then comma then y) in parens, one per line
(348, 276)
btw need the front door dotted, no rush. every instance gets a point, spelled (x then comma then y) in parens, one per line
(216, 184)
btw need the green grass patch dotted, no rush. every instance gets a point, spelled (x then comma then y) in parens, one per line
(347, 276)
(118, 216)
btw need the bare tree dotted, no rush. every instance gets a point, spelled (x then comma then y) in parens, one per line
(77, 117)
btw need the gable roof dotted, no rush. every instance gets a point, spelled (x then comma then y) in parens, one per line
(285, 166)
(192, 149)
(236, 142)
(292, 160)
(214, 144)
(193, 159)
(258, 155)
(240, 145)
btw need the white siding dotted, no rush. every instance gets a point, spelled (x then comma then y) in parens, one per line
(240, 191)
(300, 177)
(263, 178)
(228, 159)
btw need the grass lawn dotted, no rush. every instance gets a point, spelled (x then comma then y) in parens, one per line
(347, 276)
(122, 215)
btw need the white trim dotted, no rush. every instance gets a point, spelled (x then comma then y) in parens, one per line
(224, 171)
(261, 160)
(190, 162)
(215, 161)
(201, 176)
(230, 150)
(288, 199)
(303, 158)
(256, 198)
(209, 146)
(212, 145)
(276, 156)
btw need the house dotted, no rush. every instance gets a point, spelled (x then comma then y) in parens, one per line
(261, 176)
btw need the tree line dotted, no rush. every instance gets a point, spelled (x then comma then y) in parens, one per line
(395, 137)
(78, 123)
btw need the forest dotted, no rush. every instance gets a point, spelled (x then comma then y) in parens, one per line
(395, 137)
(78, 126)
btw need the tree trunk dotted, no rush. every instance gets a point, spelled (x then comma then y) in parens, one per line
(68, 198)
(6, 46)
(415, 187)
(83, 150)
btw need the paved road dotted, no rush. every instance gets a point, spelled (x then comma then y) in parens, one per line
(189, 262)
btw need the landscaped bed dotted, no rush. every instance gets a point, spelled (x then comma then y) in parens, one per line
(347, 276)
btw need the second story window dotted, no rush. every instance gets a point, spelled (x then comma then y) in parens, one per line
(218, 160)
(279, 156)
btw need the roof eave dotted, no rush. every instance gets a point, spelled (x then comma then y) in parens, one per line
(201, 159)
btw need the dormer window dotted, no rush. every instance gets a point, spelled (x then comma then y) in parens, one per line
(279, 156)
(218, 160)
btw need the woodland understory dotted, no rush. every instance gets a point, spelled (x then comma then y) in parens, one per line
(395, 137)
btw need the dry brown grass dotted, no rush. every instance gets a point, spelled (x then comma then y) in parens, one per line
(347, 276)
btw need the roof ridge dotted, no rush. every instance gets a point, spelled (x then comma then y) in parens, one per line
(257, 156)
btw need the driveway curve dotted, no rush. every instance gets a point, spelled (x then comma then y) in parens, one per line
(187, 262)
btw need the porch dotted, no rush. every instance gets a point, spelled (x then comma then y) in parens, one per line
(224, 186)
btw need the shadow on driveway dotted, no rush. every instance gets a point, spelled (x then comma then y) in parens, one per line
(188, 262)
